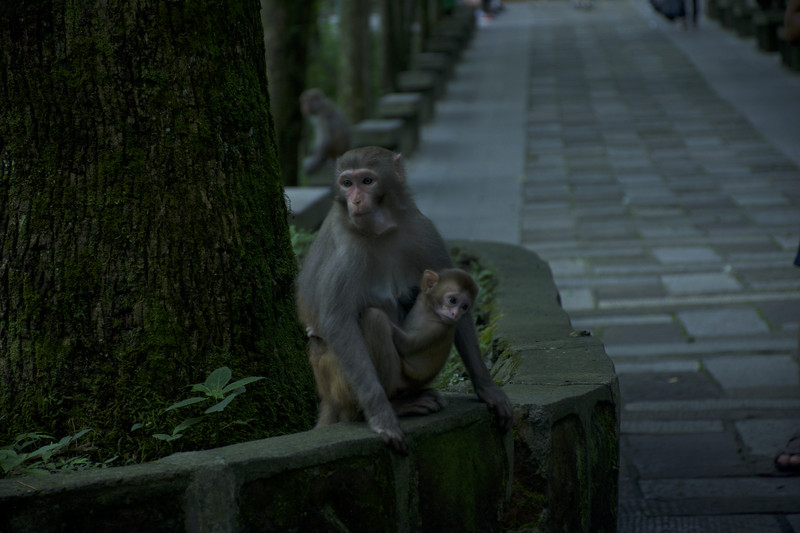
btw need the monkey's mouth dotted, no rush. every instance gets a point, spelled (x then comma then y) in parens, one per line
(375, 221)
(446, 319)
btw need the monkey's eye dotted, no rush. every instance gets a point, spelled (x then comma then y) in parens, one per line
(367, 181)
(346, 183)
(452, 300)
(464, 307)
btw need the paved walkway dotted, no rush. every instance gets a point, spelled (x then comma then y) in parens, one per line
(657, 171)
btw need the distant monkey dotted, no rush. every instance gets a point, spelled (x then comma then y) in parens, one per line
(331, 129)
(427, 335)
(369, 253)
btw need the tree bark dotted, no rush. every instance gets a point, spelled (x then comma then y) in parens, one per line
(396, 21)
(355, 60)
(142, 220)
(287, 29)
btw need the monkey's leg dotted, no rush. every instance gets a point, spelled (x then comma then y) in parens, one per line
(377, 330)
(328, 414)
(337, 401)
(418, 402)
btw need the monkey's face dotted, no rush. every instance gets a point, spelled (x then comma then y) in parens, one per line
(311, 101)
(453, 303)
(362, 191)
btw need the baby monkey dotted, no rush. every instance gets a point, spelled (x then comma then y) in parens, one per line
(426, 338)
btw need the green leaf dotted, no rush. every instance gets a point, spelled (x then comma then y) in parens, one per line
(241, 383)
(136, 426)
(217, 379)
(224, 403)
(189, 422)
(37, 471)
(81, 433)
(26, 439)
(9, 459)
(32, 437)
(47, 451)
(200, 387)
(184, 403)
(165, 437)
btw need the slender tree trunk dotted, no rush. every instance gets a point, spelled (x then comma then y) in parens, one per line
(355, 64)
(395, 41)
(427, 16)
(142, 219)
(287, 28)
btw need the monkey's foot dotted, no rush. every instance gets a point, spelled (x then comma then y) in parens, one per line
(388, 427)
(425, 402)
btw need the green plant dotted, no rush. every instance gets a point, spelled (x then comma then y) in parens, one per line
(215, 388)
(20, 457)
(301, 240)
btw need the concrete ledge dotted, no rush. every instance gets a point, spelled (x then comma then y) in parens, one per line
(408, 108)
(438, 63)
(566, 403)
(308, 205)
(448, 46)
(458, 476)
(425, 87)
(386, 133)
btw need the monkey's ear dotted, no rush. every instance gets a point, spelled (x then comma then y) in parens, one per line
(398, 164)
(429, 280)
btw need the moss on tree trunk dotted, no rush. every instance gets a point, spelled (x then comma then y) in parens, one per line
(142, 219)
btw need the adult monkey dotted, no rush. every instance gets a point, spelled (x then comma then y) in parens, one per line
(331, 129)
(371, 250)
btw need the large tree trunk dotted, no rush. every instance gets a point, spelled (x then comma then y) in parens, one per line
(142, 219)
(287, 29)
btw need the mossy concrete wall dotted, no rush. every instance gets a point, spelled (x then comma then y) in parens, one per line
(566, 403)
(555, 472)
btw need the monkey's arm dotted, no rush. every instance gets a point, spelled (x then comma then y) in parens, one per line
(487, 390)
(347, 342)
(411, 342)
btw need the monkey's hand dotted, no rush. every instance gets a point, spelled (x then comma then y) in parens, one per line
(388, 427)
(498, 403)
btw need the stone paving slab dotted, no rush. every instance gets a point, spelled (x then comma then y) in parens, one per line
(722, 322)
(772, 343)
(766, 436)
(671, 427)
(656, 386)
(701, 283)
(634, 523)
(704, 407)
(660, 366)
(734, 372)
(691, 455)
(654, 333)
(728, 495)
